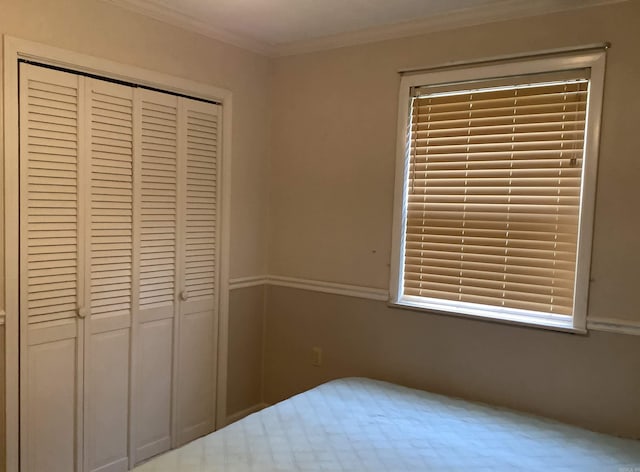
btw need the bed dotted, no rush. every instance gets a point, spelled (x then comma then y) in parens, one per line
(361, 425)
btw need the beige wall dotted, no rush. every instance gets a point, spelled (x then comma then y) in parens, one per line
(246, 337)
(334, 137)
(102, 30)
(99, 29)
(324, 176)
(332, 175)
(589, 381)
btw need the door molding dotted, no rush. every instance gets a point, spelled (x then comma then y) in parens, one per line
(16, 49)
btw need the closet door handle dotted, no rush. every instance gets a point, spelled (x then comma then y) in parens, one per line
(184, 295)
(82, 312)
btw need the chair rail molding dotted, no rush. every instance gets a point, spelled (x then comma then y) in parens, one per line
(246, 282)
(610, 325)
(614, 325)
(356, 291)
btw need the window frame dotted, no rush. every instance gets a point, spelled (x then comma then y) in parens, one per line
(591, 59)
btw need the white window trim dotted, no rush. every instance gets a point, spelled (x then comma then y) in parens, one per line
(592, 59)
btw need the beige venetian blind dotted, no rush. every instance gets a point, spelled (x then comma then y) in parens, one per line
(493, 195)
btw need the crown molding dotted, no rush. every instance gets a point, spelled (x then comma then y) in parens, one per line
(196, 25)
(499, 11)
(473, 16)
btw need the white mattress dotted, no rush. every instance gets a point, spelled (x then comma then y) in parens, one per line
(364, 425)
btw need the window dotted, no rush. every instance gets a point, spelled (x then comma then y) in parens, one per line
(495, 189)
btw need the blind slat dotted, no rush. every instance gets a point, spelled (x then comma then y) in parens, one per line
(493, 196)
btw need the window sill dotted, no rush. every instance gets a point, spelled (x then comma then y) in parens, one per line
(547, 322)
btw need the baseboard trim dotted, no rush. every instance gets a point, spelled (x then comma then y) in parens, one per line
(246, 412)
(611, 325)
(246, 282)
(614, 325)
(115, 466)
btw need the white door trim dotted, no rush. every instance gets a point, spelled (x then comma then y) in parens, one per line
(15, 49)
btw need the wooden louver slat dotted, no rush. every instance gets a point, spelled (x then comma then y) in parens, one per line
(158, 199)
(201, 195)
(51, 150)
(493, 196)
(111, 200)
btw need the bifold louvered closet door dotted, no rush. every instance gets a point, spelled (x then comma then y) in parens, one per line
(157, 236)
(198, 241)
(118, 297)
(52, 284)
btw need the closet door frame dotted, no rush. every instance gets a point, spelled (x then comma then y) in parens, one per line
(16, 49)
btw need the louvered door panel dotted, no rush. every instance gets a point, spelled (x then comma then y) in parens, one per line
(118, 271)
(111, 264)
(158, 203)
(197, 334)
(111, 200)
(51, 219)
(201, 196)
(157, 190)
(50, 285)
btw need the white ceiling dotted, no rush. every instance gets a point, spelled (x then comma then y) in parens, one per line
(280, 27)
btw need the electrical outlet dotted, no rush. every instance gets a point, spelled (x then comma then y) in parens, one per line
(316, 356)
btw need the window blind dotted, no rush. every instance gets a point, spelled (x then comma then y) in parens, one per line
(493, 195)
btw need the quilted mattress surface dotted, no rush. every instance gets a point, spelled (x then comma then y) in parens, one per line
(363, 425)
